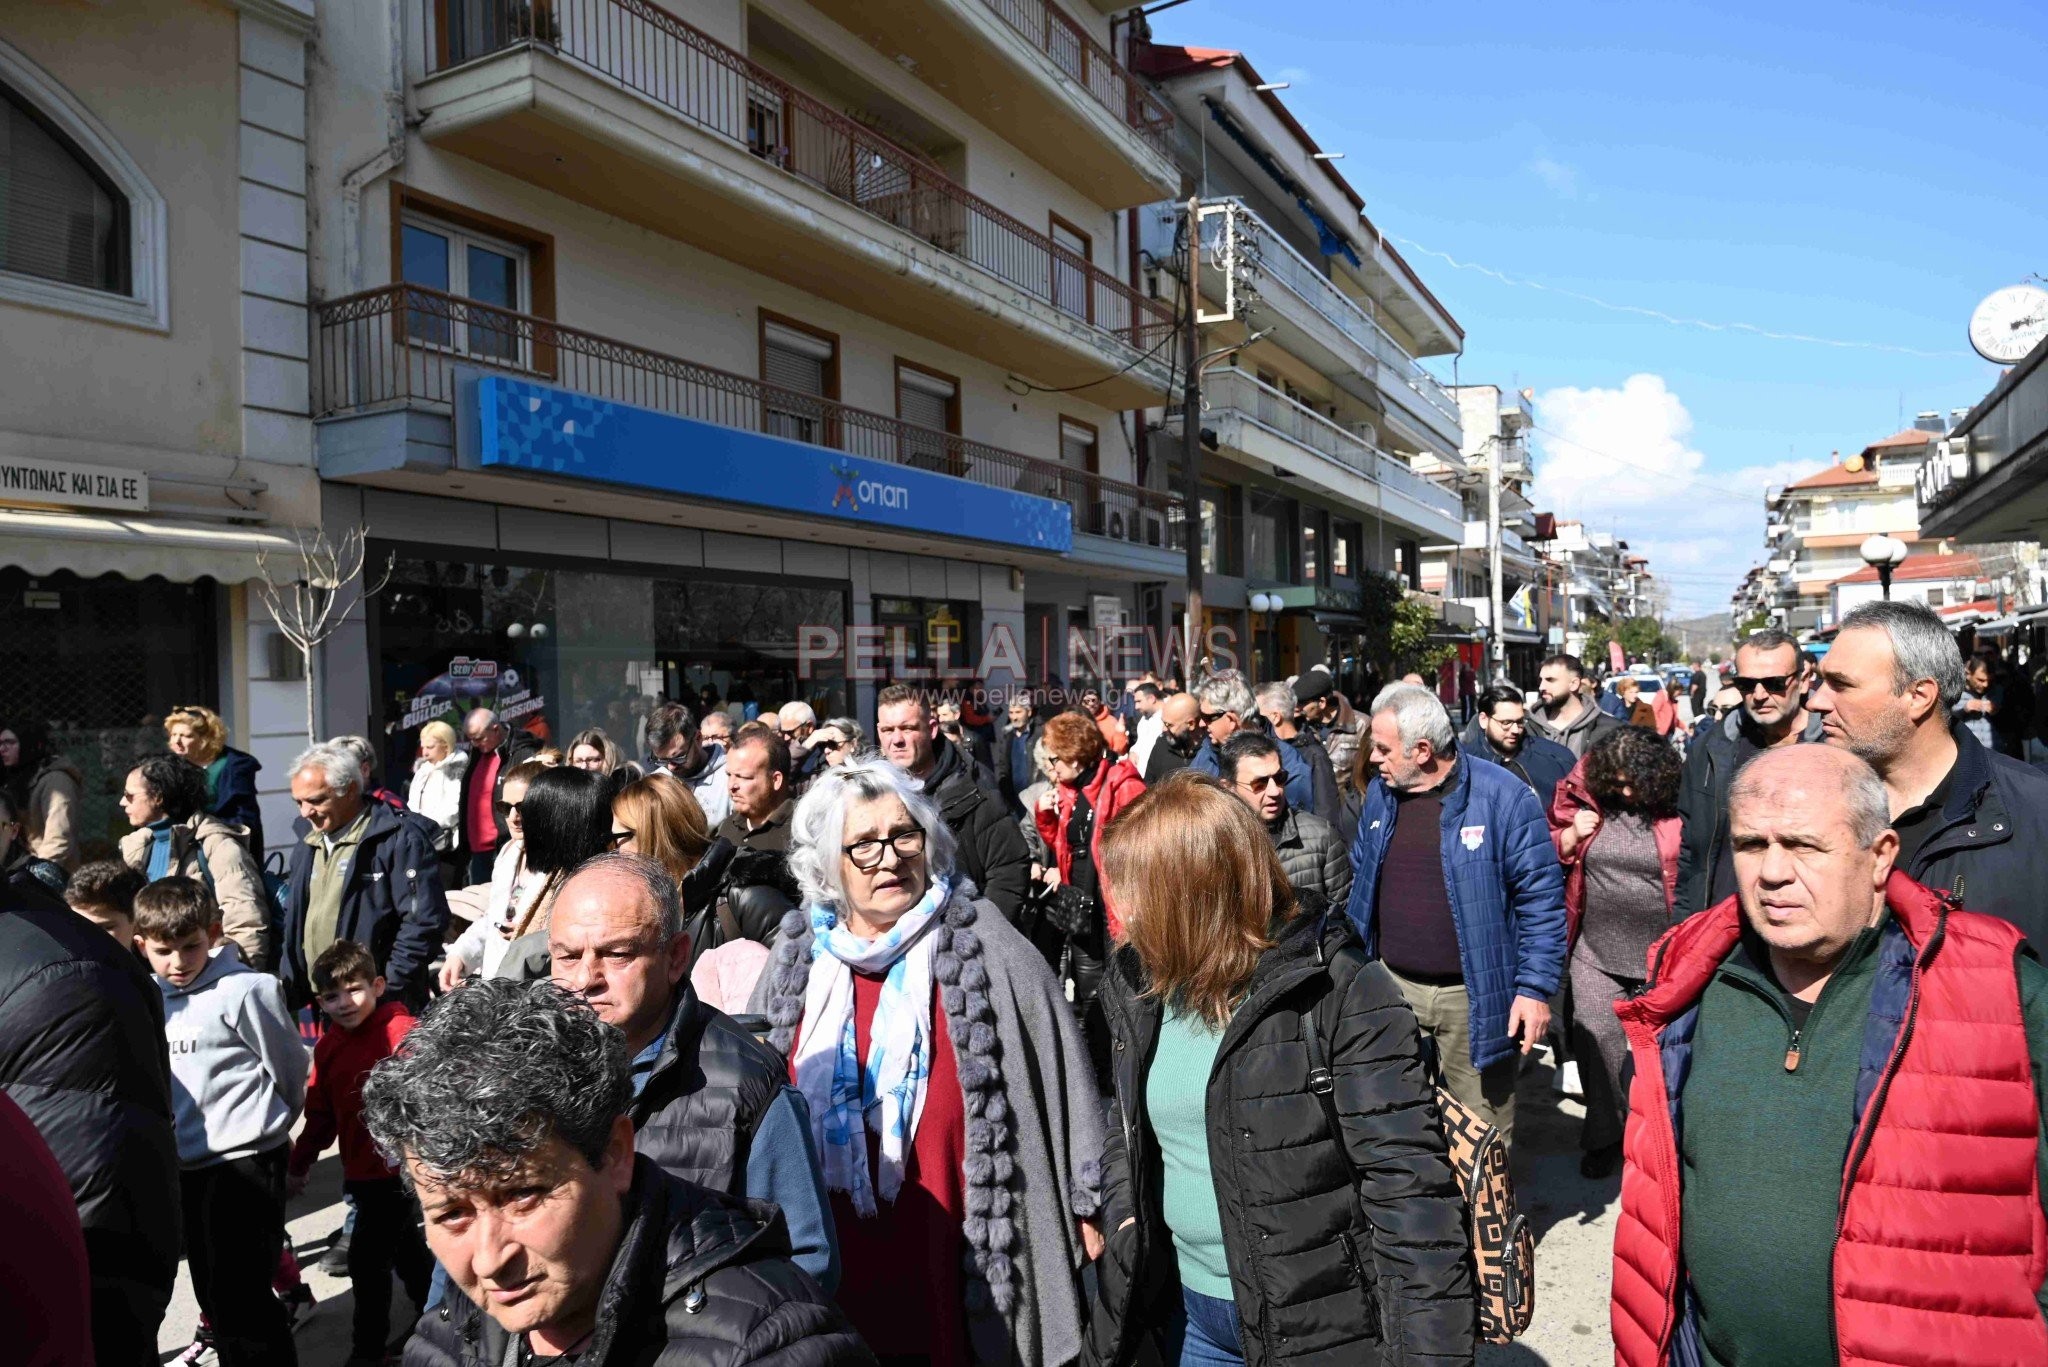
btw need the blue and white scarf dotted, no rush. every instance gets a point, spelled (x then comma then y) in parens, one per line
(886, 1093)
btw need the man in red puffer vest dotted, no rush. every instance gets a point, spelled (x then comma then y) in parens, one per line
(1834, 1149)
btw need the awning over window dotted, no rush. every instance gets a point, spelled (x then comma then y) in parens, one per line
(93, 544)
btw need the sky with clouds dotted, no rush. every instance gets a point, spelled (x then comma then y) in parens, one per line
(1720, 242)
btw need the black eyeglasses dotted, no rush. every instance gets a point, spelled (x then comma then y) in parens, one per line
(619, 838)
(1770, 683)
(1263, 782)
(1518, 724)
(1211, 718)
(867, 854)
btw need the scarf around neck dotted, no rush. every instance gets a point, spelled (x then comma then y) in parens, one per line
(885, 1092)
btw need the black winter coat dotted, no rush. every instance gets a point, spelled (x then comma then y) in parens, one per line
(234, 797)
(992, 849)
(82, 1053)
(392, 903)
(699, 1280)
(1345, 1250)
(1990, 847)
(705, 1095)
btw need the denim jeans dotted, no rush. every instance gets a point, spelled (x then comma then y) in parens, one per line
(1203, 1334)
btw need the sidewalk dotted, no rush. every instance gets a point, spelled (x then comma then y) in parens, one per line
(1574, 1222)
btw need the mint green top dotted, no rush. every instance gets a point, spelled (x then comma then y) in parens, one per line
(1177, 1104)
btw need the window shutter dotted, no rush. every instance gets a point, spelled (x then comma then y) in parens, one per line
(924, 399)
(59, 219)
(795, 360)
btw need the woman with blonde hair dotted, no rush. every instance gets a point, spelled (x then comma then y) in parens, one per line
(595, 751)
(660, 818)
(197, 735)
(436, 789)
(1232, 1196)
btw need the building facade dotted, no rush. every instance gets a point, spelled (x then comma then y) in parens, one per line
(1317, 417)
(736, 352)
(154, 433)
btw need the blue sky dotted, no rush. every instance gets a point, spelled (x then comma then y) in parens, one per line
(1864, 173)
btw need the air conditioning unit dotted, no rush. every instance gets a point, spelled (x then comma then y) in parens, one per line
(1151, 529)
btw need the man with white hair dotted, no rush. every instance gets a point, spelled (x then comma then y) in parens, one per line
(1229, 706)
(794, 722)
(1969, 820)
(364, 872)
(1842, 1067)
(1457, 889)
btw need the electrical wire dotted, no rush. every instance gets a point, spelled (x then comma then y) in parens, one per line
(1674, 320)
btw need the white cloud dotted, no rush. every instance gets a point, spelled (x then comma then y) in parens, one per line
(1621, 460)
(1294, 75)
(1560, 178)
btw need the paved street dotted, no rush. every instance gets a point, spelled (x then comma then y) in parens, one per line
(1574, 1222)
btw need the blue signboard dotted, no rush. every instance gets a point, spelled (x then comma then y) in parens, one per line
(542, 430)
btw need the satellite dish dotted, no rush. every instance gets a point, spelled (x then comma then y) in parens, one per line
(2010, 323)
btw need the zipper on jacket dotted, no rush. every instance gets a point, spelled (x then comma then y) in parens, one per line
(1792, 1051)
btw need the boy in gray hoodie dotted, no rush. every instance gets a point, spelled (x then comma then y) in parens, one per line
(238, 1081)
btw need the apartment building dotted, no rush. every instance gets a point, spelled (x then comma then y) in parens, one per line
(755, 350)
(1495, 423)
(154, 438)
(1315, 409)
(1814, 527)
(1598, 576)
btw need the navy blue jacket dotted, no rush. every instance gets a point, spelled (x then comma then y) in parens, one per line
(1301, 780)
(391, 901)
(234, 797)
(1541, 763)
(1506, 890)
(1991, 846)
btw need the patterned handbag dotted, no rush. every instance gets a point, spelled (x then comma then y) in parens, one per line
(1503, 1245)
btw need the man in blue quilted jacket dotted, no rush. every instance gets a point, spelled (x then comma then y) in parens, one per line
(1457, 889)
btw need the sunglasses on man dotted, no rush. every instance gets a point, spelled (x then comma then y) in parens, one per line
(1770, 683)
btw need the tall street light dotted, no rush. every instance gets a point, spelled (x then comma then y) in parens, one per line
(1884, 554)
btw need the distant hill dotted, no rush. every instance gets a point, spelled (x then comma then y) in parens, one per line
(1703, 637)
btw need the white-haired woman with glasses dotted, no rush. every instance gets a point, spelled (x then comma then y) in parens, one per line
(955, 1113)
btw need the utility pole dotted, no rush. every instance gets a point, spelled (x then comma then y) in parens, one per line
(1498, 645)
(1191, 441)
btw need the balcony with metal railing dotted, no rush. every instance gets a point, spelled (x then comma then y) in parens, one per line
(1037, 78)
(1272, 431)
(404, 347)
(621, 105)
(1323, 324)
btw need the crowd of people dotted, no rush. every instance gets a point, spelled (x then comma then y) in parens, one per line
(1123, 1030)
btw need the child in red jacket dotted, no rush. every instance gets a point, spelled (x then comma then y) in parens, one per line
(387, 1234)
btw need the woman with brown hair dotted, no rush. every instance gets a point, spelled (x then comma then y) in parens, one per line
(1275, 1168)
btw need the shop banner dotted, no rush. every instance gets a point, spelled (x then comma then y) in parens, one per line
(67, 484)
(543, 430)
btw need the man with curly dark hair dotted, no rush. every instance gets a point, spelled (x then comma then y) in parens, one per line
(506, 1111)
(1615, 821)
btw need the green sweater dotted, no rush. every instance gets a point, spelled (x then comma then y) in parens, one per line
(1177, 1105)
(1762, 1148)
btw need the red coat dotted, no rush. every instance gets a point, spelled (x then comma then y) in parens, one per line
(334, 1093)
(1113, 788)
(1573, 796)
(1942, 1242)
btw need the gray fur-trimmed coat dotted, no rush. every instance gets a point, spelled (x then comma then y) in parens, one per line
(1034, 1122)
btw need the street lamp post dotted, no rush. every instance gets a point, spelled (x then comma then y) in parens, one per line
(1269, 605)
(1884, 554)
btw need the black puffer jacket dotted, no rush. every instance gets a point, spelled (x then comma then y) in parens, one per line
(705, 1095)
(1344, 1249)
(82, 1053)
(391, 901)
(992, 850)
(700, 1280)
(1313, 856)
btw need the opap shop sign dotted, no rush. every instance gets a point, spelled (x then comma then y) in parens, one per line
(65, 484)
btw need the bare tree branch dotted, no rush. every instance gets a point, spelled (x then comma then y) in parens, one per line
(309, 601)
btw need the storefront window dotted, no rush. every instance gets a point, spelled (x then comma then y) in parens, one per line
(928, 638)
(555, 650)
(1344, 549)
(100, 661)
